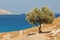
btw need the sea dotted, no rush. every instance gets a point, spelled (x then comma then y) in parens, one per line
(15, 22)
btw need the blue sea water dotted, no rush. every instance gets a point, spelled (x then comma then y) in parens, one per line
(14, 22)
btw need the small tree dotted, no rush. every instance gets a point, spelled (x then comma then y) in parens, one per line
(43, 15)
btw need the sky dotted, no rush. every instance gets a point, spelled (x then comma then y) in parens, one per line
(23, 6)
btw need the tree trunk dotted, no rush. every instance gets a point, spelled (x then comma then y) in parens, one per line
(39, 28)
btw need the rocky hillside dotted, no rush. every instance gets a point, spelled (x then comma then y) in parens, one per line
(32, 33)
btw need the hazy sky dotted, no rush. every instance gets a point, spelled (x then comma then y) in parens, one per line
(22, 6)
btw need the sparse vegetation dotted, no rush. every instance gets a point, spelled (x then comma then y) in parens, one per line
(43, 15)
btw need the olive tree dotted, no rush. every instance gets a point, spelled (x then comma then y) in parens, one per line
(43, 15)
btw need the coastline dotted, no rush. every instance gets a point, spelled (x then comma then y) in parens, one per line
(23, 33)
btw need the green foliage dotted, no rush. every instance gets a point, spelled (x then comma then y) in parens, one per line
(48, 15)
(43, 15)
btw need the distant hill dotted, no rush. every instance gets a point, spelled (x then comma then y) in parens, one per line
(2, 11)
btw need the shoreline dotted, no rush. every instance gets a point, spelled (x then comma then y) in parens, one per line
(22, 34)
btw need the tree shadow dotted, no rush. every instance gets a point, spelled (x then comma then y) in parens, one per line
(46, 32)
(31, 34)
(39, 33)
